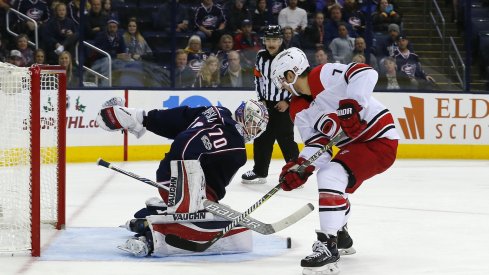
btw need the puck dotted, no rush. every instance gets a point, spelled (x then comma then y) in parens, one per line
(289, 242)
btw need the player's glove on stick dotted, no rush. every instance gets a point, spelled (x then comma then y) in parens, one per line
(291, 177)
(349, 115)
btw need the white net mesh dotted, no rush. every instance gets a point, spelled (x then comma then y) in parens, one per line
(15, 130)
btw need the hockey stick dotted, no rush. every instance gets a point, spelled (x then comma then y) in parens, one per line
(256, 225)
(109, 165)
(249, 222)
(185, 244)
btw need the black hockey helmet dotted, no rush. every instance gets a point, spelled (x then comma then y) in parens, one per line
(273, 31)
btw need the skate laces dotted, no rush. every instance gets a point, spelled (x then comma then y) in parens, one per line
(319, 248)
(250, 174)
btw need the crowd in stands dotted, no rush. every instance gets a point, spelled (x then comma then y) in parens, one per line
(208, 43)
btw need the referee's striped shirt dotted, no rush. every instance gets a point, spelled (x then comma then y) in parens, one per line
(265, 88)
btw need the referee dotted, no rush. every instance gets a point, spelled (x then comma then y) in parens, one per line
(280, 125)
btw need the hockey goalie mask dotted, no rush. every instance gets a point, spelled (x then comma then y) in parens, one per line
(253, 116)
(292, 59)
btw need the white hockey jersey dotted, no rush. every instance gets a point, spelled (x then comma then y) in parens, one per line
(332, 82)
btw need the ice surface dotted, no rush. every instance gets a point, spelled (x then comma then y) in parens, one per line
(419, 217)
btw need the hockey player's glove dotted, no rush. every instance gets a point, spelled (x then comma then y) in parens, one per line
(291, 177)
(349, 115)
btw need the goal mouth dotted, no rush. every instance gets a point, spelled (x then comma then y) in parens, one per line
(32, 155)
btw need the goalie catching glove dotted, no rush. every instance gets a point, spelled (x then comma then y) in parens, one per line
(291, 178)
(114, 116)
(348, 113)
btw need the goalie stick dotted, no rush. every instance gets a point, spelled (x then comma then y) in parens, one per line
(224, 211)
(109, 165)
(185, 244)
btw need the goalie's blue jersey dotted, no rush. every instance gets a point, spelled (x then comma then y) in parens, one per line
(208, 134)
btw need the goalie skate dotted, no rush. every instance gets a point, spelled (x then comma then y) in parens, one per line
(138, 246)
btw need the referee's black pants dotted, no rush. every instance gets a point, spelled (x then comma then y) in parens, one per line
(280, 128)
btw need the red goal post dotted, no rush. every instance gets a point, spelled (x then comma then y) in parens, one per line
(32, 150)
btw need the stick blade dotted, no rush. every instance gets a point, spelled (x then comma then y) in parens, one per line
(185, 244)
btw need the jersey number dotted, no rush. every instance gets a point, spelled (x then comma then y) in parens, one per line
(337, 71)
(220, 142)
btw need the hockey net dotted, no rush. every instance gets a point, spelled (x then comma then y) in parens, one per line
(32, 155)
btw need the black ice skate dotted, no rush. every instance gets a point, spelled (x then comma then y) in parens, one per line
(251, 178)
(345, 242)
(325, 257)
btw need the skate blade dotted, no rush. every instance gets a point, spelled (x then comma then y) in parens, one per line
(329, 269)
(255, 181)
(348, 251)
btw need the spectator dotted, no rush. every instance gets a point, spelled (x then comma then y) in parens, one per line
(137, 46)
(290, 39)
(208, 75)
(210, 22)
(321, 57)
(246, 39)
(37, 10)
(39, 56)
(110, 41)
(74, 10)
(384, 16)
(235, 15)
(61, 34)
(248, 43)
(164, 14)
(359, 58)
(360, 47)
(260, 17)
(389, 46)
(15, 58)
(226, 44)
(331, 25)
(342, 46)
(324, 5)
(195, 54)
(184, 75)
(294, 17)
(314, 36)
(64, 59)
(408, 62)
(25, 50)
(107, 10)
(236, 76)
(275, 7)
(96, 20)
(393, 79)
(353, 16)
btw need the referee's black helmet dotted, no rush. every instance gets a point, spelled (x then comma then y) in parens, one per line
(272, 31)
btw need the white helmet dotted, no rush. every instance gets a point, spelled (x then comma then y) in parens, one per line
(292, 59)
(253, 116)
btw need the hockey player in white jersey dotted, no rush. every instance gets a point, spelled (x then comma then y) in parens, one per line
(327, 99)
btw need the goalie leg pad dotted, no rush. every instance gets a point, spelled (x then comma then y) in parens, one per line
(201, 226)
(187, 187)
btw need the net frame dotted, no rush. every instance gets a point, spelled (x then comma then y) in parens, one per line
(44, 159)
(37, 73)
